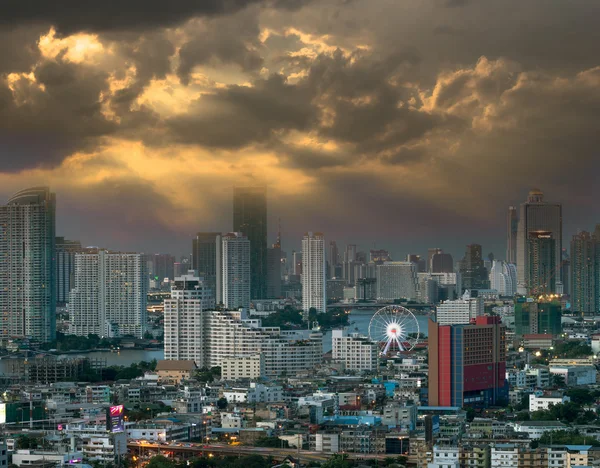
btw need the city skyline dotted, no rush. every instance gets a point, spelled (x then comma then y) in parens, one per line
(367, 119)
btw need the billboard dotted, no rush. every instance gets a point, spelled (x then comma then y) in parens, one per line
(2, 413)
(115, 419)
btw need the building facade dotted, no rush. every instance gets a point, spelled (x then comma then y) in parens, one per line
(541, 262)
(110, 294)
(183, 317)
(512, 228)
(585, 272)
(313, 273)
(537, 215)
(65, 267)
(356, 352)
(236, 271)
(204, 257)
(472, 269)
(459, 311)
(503, 278)
(540, 316)
(250, 218)
(467, 363)
(27, 269)
(397, 280)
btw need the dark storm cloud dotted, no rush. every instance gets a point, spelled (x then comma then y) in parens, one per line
(43, 121)
(19, 50)
(222, 41)
(240, 115)
(69, 16)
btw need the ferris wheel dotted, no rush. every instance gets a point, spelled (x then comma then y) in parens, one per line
(394, 328)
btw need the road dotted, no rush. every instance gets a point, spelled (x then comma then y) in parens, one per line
(224, 449)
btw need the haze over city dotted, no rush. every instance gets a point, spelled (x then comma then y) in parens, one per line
(401, 124)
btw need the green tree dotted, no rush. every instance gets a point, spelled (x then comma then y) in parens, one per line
(222, 403)
(272, 442)
(338, 461)
(160, 461)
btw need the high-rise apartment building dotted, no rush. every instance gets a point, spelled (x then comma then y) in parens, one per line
(27, 269)
(379, 256)
(356, 352)
(184, 319)
(542, 316)
(503, 278)
(541, 267)
(65, 267)
(110, 294)
(459, 311)
(333, 260)
(274, 271)
(512, 227)
(537, 215)
(229, 334)
(296, 263)
(163, 267)
(397, 280)
(313, 273)
(585, 273)
(472, 270)
(235, 267)
(467, 363)
(204, 257)
(250, 218)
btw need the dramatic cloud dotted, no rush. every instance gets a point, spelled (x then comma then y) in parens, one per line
(405, 123)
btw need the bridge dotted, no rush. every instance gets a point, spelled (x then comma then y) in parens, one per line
(189, 450)
(425, 308)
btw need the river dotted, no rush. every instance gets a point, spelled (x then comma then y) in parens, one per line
(358, 319)
(359, 322)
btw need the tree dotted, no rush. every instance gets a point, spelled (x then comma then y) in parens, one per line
(558, 381)
(222, 403)
(580, 396)
(338, 461)
(160, 461)
(272, 442)
(470, 413)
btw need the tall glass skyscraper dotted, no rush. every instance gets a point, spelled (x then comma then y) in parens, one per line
(250, 218)
(27, 273)
(538, 215)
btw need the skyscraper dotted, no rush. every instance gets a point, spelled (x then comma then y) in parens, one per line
(503, 278)
(541, 267)
(185, 336)
(313, 273)
(27, 270)
(204, 257)
(250, 218)
(512, 226)
(442, 263)
(473, 273)
(585, 273)
(235, 270)
(397, 280)
(430, 253)
(542, 316)
(274, 269)
(65, 267)
(110, 294)
(333, 259)
(467, 363)
(163, 266)
(537, 215)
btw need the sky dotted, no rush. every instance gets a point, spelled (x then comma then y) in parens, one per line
(399, 124)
